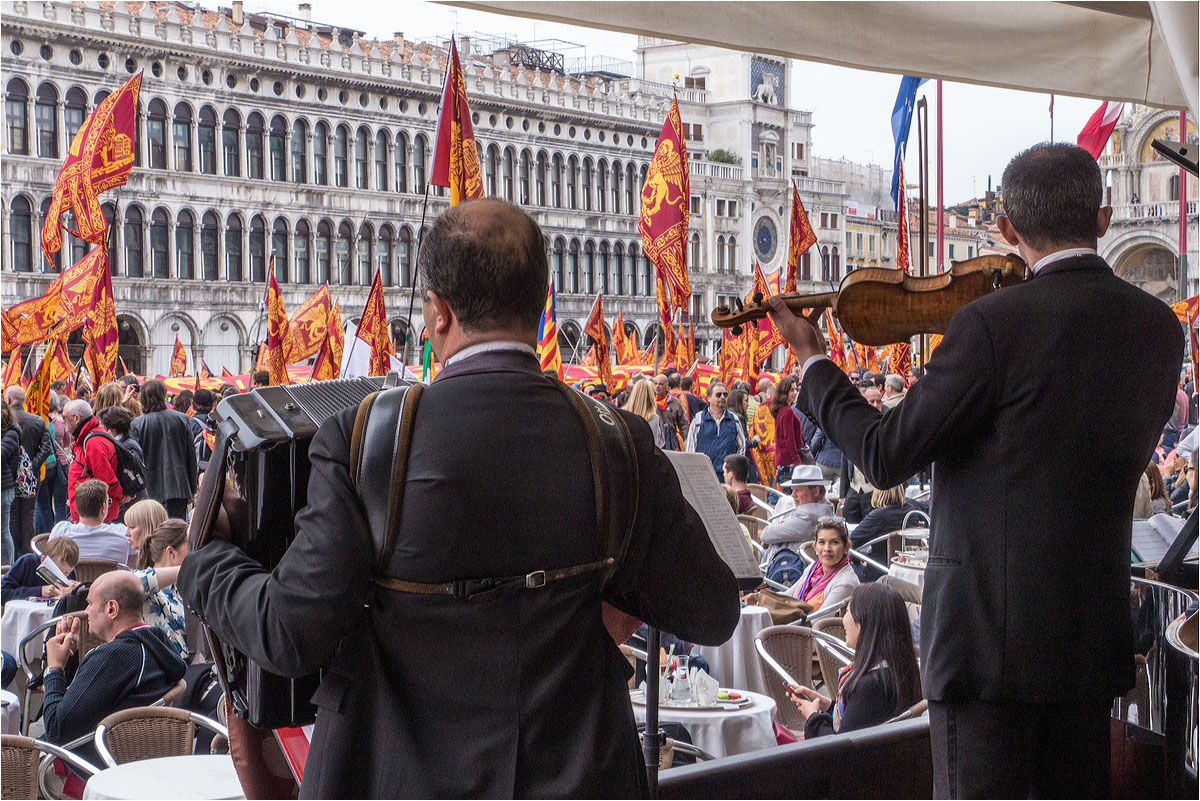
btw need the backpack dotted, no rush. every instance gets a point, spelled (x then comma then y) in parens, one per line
(786, 568)
(27, 480)
(131, 473)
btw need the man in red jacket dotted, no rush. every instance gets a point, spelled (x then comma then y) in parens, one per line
(94, 458)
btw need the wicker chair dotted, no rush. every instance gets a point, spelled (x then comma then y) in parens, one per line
(38, 541)
(88, 570)
(172, 695)
(149, 732)
(791, 647)
(914, 711)
(828, 664)
(760, 491)
(18, 766)
(755, 525)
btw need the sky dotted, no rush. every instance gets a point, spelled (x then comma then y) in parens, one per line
(983, 127)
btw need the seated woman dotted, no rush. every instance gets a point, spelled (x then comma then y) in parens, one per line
(831, 578)
(1160, 503)
(159, 559)
(881, 682)
(141, 519)
(22, 580)
(888, 510)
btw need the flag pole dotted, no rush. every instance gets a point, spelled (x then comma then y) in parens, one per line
(940, 171)
(412, 296)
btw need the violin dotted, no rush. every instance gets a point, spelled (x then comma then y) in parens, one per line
(881, 306)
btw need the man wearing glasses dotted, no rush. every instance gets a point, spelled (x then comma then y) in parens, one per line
(716, 432)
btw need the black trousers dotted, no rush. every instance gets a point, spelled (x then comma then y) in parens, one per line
(1011, 750)
(21, 525)
(856, 506)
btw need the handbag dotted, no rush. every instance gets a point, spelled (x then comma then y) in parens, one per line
(783, 608)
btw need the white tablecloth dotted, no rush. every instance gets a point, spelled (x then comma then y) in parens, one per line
(20, 618)
(910, 574)
(735, 662)
(199, 776)
(723, 732)
(11, 708)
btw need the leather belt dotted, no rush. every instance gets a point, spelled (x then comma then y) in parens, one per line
(476, 590)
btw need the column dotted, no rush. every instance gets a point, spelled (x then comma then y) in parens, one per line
(60, 127)
(243, 153)
(310, 157)
(172, 262)
(194, 141)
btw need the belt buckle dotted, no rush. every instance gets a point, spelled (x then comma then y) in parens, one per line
(535, 580)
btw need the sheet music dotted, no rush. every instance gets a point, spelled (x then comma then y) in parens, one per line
(1151, 538)
(700, 487)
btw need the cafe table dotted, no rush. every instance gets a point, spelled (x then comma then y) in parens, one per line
(10, 706)
(734, 663)
(721, 732)
(22, 617)
(911, 574)
(201, 776)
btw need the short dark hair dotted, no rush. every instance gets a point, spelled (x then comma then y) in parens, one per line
(90, 496)
(116, 420)
(202, 401)
(489, 267)
(183, 401)
(685, 383)
(738, 465)
(58, 386)
(674, 380)
(154, 396)
(127, 379)
(1052, 194)
(261, 378)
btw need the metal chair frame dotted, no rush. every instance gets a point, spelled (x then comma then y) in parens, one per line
(193, 717)
(834, 647)
(64, 753)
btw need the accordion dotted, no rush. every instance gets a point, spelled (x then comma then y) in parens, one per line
(261, 448)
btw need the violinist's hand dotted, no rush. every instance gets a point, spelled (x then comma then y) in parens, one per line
(800, 331)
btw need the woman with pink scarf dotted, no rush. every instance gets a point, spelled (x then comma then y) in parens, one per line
(830, 579)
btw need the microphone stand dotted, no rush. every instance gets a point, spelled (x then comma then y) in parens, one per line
(652, 744)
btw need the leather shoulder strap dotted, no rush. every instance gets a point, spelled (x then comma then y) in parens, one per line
(379, 461)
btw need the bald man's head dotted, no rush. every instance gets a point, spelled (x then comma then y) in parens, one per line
(487, 260)
(114, 603)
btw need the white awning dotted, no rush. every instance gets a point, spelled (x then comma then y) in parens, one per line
(1137, 52)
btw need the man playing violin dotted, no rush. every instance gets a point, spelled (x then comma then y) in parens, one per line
(1027, 635)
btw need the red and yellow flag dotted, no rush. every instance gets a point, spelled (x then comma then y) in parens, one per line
(1188, 311)
(60, 362)
(762, 425)
(124, 369)
(101, 331)
(178, 359)
(903, 240)
(455, 156)
(549, 353)
(663, 220)
(373, 329)
(648, 353)
(328, 365)
(664, 319)
(623, 344)
(801, 237)
(65, 305)
(225, 372)
(837, 350)
(204, 371)
(595, 330)
(306, 328)
(12, 369)
(37, 394)
(277, 330)
(100, 157)
(8, 332)
(899, 360)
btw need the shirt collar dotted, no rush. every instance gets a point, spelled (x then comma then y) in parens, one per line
(1069, 253)
(488, 347)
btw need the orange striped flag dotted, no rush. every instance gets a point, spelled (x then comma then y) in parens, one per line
(549, 353)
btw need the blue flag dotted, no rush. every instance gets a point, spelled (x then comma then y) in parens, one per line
(906, 101)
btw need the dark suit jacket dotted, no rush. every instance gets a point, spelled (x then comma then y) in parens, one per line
(435, 697)
(169, 454)
(35, 437)
(1027, 589)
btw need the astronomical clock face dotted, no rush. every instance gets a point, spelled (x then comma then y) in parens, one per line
(766, 239)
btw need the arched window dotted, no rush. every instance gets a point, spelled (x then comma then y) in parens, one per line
(160, 265)
(647, 277)
(279, 248)
(53, 265)
(133, 242)
(16, 115)
(360, 159)
(156, 134)
(720, 254)
(45, 117)
(254, 146)
(510, 169)
(556, 180)
(185, 249)
(403, 254)
(589, 267)
(383, 260)
(602, 265)
(341, 156)
(401, 160)
(618, 268)
(1173, 188)
(210, 237)
(366, 236)
(137, 134)
(694, 253)
(75, 112)
(733, 254)
(806, 266)
(383, 144)
(602, 186)
(493, 169)
(301, 249)
(573, 266)
(615, 189)
(206, 140)
(21, 229)
(233, 247)
(587, 184)
(231, 151)
(181, 137)
(418, 161)
(556, 264)
(323, 249)
(345, 242)
(541, 179)
(836, 265)
(631, 184)
(277, 147)
(572, 182)
(631, 262)
(258, 249)
(523, 177)
(825, 263)
(299, 152)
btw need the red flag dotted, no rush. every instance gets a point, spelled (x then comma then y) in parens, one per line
(624, 346)
(663, 220)
(204, 371)
(225, 372)
(277, 330)
(903, 251)
(900, 359)
(12, 370)
(37, 394)
(66, 303)
(595, 330)
(373, 329)
(801, 237)
(306, 328)
(124, 369)
(8, 332)
(648, 353)
(60, 362)
(664, 318)
(101, 329)
(329, 359)
(455, 156)
(100, 158)
(837, 350)
(178, 359)
(1099, 128)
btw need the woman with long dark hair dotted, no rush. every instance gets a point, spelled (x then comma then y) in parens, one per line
(789, 439)
(881, 682)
